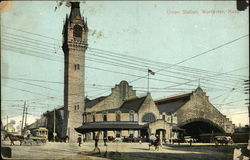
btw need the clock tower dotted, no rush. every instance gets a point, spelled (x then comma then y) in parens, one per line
(75, 36)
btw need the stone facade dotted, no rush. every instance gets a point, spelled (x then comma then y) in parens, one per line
(198, 108)
(122, 105)
(148, 107)
(75, 35)
(118, 95)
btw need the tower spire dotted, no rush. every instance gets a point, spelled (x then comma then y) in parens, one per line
(75, 11)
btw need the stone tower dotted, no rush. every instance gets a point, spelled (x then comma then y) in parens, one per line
(75, 34)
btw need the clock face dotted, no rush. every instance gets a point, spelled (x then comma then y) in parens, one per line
(77, 31)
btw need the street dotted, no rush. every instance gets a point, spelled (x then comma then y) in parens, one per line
(198, 151)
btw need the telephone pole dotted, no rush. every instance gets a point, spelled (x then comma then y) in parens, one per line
(23, 117)
(26, 112)
(246, 86)
(7, 124)
(54, 128)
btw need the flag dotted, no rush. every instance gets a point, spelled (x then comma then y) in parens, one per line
(151, 72)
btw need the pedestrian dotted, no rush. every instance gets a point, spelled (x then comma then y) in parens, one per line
(27, 134)
(190, 142)
(96, 141)
(79, 139)
(157, 142)
(105, 140)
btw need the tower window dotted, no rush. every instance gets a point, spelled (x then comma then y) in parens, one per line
(77, 31)
(77, 66)
(77, 107)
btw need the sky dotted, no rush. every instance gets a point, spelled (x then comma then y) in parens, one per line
(186, 43)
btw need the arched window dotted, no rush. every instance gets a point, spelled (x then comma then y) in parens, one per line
(164, 117)
(131, 116)
(148, 117)
(118, 116)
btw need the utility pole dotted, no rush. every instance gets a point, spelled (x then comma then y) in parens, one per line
(171, 128)
(7, 124)
(246, 86)
(26, 112)
(148, 82)
(54, 128)
(23, 117)
(20, 122)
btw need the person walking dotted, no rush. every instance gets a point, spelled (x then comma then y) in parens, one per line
(105, 140)
(157, 142)
(79, 140)
(96, 141)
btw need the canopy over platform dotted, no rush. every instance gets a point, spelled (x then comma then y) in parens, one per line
(105, 126)
(177, 129)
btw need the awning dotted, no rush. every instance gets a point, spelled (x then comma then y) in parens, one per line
(178, 129)
(105, 126)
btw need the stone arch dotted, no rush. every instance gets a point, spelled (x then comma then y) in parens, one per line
(201, 125)
(148, 117)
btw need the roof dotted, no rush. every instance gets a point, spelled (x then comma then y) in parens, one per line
(110, 125)
(176, 128)
(133, 104)
(172, 104)
(75, 10)
(91, 103)
(175, 97)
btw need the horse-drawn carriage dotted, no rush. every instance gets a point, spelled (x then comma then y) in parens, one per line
(223, 140)
(38, 135)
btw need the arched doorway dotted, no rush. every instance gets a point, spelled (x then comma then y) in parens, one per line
(162, 134)
(196, 127)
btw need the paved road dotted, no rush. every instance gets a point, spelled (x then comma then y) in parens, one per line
(124, 151)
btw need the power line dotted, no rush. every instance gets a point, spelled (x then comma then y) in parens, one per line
(195, 56)
(130, 56)
(43, 57)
